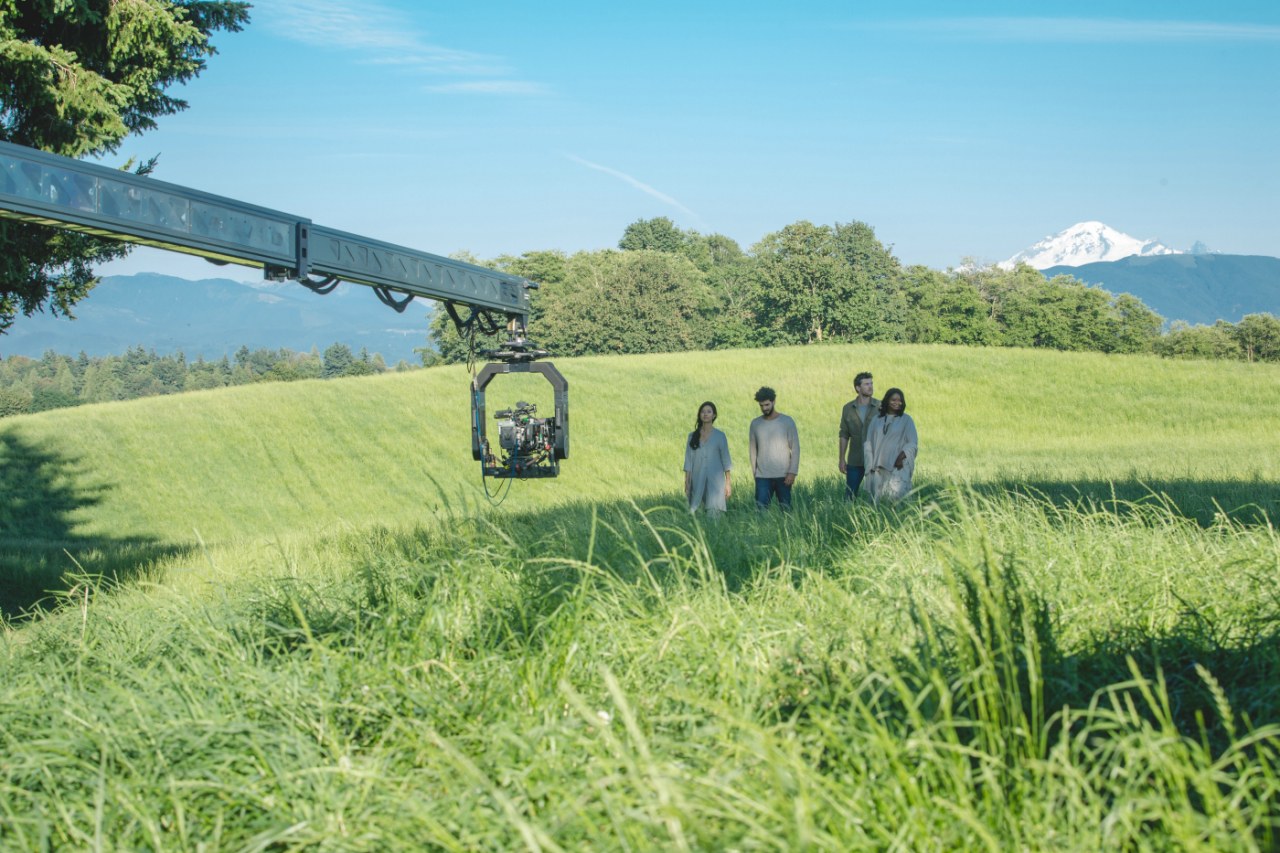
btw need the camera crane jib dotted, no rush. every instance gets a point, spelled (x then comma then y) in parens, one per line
(61, 192)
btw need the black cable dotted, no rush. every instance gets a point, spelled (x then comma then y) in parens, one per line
(322, 286)
(387, 299)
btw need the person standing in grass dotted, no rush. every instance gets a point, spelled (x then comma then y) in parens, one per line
(775, 452)
(855, 416)
(707, 464)
(889, 450)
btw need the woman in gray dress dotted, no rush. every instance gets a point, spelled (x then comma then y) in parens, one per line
(706, 463)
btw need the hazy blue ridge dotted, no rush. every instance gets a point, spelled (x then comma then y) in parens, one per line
(1194, 288)
(215, 317)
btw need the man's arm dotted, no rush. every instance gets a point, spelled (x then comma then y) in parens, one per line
(793, 467)
(845, 434)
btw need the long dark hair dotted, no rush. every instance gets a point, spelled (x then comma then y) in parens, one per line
(884, 401)
(695, 437)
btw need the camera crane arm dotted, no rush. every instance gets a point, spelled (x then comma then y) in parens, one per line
(48, 189)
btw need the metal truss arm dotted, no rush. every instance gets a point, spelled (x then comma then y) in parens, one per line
(36, 186)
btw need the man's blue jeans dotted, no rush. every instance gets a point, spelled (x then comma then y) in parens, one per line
(852, 480)
(767, 487)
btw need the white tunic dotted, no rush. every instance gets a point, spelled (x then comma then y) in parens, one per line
(886, 437)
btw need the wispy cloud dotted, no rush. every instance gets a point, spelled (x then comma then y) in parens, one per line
(638, 184)
(490, 87)
(1116, 30)
(382, 35)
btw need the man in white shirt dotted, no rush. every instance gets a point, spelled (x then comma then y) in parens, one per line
(775, 452)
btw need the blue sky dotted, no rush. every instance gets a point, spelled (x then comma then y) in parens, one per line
(954, 129)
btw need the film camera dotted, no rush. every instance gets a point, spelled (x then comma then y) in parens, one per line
(526, 445)
(524, 437)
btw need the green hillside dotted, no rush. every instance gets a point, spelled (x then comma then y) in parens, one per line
(326, 638)
(269, 460)
(108, 488)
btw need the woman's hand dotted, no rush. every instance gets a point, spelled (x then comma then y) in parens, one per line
(902, 457)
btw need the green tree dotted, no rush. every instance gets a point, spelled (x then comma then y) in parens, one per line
(626, 302)
(1135, 327)
(799, 275)
(45, 396)
(944, 308)
(76, 78)
(338, 359)
(101, 383)
(662, 235)
(732, 285)
(14, 400)
(874, 307)
(1259, 337)
(816, 283)
(1186, 341)
(658, 235)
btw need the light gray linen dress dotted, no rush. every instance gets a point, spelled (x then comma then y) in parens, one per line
(706, 467)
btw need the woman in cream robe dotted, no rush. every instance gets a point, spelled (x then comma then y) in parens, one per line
(889, 450)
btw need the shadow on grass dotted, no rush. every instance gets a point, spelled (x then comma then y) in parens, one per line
(520, 574)
(823, 530)
(1218, 678)
(41, 555)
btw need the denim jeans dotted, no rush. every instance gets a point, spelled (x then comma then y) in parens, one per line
(767, 487)
(852, 480)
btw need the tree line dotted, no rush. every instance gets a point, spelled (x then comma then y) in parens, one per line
(666, 289)
(57, 381)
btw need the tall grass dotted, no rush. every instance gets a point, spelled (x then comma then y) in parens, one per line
(321, 637)
(968, 672)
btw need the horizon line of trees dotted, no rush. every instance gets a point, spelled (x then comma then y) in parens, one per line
(666, 289)
(56, 381)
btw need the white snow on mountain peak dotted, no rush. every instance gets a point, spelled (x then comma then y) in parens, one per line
(1086, 243)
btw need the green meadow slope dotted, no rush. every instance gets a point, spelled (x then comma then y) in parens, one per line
(321, 636)
(270, 460)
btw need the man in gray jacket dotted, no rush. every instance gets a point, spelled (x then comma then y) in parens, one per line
(855, 416)
(775, 452)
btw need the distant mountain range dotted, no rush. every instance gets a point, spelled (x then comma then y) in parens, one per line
(1194, 288)
(215, 317)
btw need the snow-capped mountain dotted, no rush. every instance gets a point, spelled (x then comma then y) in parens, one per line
(1086, 243)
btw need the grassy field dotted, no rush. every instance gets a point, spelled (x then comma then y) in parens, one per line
(321, 636)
